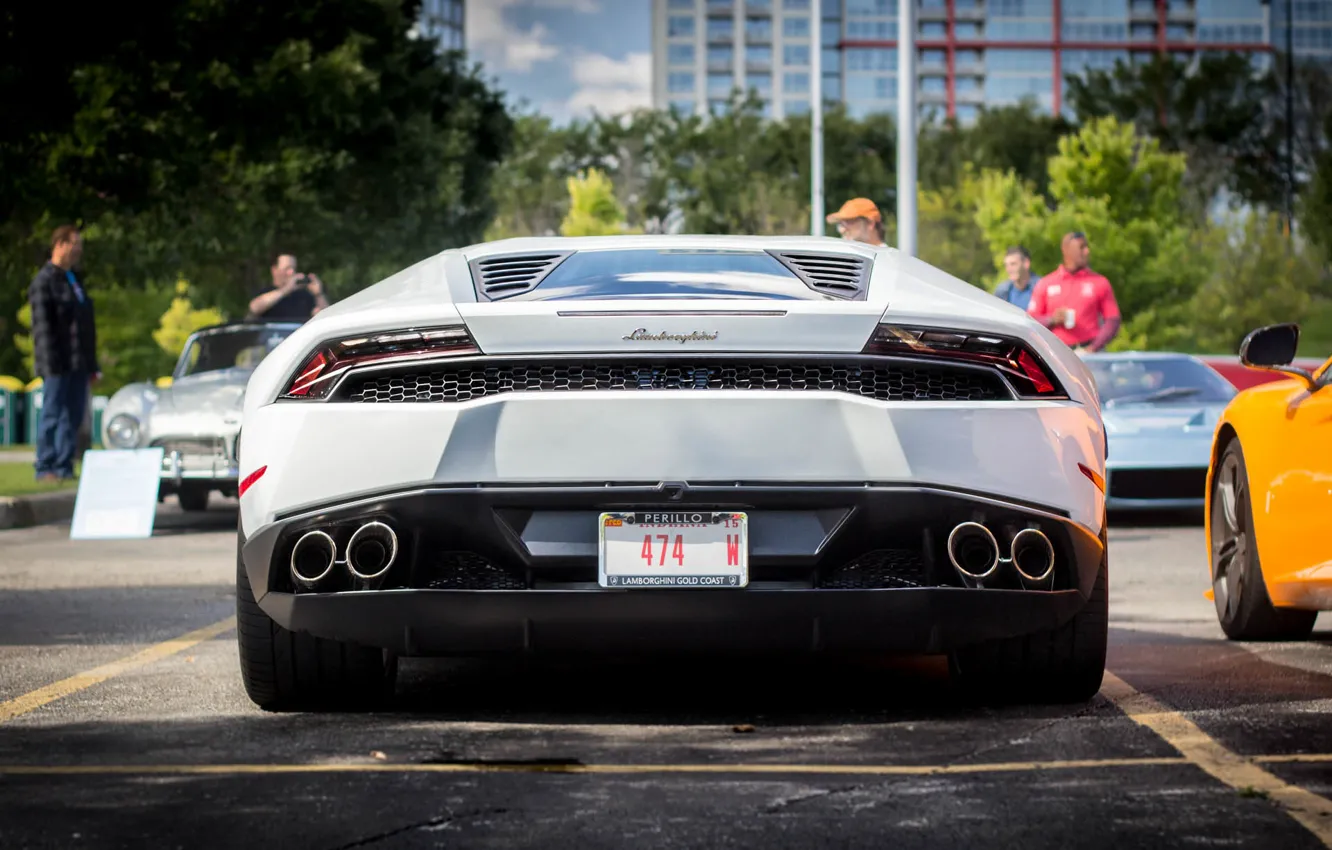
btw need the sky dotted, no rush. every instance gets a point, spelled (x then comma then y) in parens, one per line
(565, 58)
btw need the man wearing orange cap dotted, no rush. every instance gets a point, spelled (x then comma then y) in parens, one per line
(859, 220)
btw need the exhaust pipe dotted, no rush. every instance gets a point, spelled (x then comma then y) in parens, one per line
(370, 553)
(312, 559)
(974, 553)
(1033, 559)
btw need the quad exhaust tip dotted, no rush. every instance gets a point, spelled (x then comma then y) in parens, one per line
(974, 553)
(370, 553)
(312, 559)
(1033, 559)
(976, 557)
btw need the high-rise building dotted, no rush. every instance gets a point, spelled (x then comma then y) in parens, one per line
(972, 53)
(442, 20)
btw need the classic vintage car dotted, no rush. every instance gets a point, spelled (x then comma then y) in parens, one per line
(196, 418)
(1269, 496)
(680, 444)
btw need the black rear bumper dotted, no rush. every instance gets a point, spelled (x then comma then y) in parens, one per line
(809, 587)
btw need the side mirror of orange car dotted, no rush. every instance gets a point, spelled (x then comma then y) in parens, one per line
(1273, 348)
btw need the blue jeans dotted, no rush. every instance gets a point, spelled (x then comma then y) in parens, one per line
(64, 398)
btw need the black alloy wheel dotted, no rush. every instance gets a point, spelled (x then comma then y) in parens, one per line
(1243, 607)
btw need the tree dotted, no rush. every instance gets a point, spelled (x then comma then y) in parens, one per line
(202, 138)
(1016, 138)
(1316, 206)
(1226, 115)
(1122, 191)
(529, 190)
(1256, 280)
(728, 176)
(593, 209)
(949, 237)
(126, 348)
(181, 319)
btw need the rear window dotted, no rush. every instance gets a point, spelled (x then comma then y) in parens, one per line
(683, 273)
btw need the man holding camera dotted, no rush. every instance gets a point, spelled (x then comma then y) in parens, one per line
(293, 297)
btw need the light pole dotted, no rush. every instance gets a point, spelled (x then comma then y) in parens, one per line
(1289, 188)
(1290, 125)
(906, 127)
(816, 223)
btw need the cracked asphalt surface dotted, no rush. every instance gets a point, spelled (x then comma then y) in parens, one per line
(490, 754)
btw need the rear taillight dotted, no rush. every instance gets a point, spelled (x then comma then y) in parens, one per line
(321, 370)
(1024, 370)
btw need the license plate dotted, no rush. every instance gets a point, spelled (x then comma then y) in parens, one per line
(674, 549)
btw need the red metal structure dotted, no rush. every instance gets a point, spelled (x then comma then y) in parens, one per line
(1056, 43)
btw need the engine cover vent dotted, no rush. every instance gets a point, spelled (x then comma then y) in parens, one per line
(841, 275)
(513, 274)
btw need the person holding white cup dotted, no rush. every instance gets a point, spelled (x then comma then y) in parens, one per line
(1075, 302)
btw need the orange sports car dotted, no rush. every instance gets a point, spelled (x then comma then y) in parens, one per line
(1269, 496)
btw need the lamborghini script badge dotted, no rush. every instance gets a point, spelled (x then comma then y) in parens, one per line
(642, 335)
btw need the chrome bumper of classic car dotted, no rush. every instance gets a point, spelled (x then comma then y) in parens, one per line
(196, 459)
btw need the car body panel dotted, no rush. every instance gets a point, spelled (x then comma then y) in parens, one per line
(671, 436)
(555, 458)
(1285, 432)
(1244, 377)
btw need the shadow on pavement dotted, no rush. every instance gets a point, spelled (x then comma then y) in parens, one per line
(1119, 520)
(222, 515)
(95, 616)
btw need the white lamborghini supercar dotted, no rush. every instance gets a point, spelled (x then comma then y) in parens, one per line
(681, 444)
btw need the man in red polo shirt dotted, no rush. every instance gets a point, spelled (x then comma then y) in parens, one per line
(1076, 302)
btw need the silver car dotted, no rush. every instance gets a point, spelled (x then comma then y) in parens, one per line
(195, 420)
(1160, 411)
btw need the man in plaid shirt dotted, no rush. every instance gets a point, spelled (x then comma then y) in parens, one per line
(64, 342)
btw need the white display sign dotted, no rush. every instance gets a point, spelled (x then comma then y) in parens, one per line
(117, 496)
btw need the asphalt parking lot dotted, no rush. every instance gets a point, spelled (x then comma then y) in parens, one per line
(123, 724)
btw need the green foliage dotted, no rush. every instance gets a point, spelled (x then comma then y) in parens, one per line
(181, 319)
(948, 236)
(1123, 192)
(127, 351)
(1316, 206)
(203, 138)
(127, 319)
(1254, 280)
(23, 340)
(728, 176)
(529, 186)
(1007, 138)
(593, 209)
(1212, 112)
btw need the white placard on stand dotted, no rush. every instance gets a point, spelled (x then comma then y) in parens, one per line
(117, 496)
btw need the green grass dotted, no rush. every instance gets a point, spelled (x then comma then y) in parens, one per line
(21, 447)
(18, 479)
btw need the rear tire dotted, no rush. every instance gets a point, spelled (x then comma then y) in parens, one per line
(193, 499)
(1243, 608)
(284, 670)
(1061, 665)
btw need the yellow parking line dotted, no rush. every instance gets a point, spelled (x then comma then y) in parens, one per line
(1312, 811)
(56, 690)
(519, 767)
(1296, 758)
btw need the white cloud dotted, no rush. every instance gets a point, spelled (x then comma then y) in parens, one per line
(514, 47)
(610, 86)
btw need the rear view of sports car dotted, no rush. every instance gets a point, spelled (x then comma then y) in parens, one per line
(716, 445)
(1160, 410)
